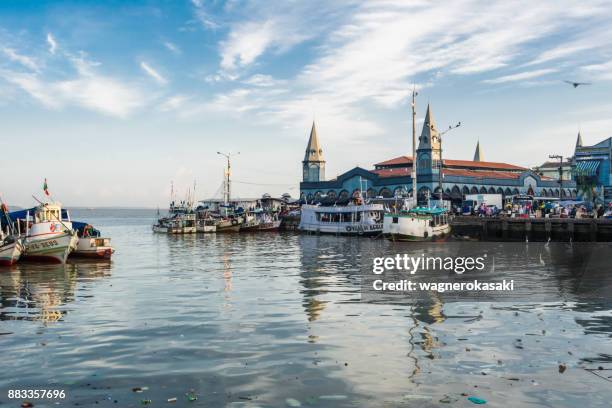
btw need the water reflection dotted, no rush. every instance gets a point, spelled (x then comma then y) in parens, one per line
(31, 291)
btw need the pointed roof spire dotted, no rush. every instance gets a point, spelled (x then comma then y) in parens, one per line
(314, 153)
(429, 131)
(478, 154)
(579, 140)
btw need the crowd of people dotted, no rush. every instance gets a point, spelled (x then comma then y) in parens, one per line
(538, 209)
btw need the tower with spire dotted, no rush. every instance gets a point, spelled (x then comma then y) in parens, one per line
(313, 166)
(428, 152)
(478, 153)
(579, 140)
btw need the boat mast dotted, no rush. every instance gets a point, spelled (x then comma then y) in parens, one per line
(226, 180)
(414, 173)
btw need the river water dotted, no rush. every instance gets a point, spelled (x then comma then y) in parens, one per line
(277, 320)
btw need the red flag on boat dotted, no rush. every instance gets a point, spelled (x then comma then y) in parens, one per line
(46, 189)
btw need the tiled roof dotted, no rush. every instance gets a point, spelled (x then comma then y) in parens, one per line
(457, 163)
(394, 172)
(481, 173)
(398, 160)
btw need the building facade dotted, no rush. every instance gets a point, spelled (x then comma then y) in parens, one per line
(591, 168)
(459, 177)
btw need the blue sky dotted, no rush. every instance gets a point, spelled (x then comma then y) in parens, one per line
(111, 100)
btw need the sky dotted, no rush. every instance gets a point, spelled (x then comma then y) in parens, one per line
(111, 101)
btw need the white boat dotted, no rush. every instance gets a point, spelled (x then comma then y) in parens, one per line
(250, 222)
(11, 249)
(268, 221)
(417, 224)
(364, 219)
(91, 244)
(48, 233)
(181, 220)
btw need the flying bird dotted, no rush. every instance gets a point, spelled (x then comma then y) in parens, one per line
(577, 84)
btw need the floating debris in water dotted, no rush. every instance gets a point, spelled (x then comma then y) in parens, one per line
(139, 389)
(562, 368)
(173, 399)
(476, 400)
(333, 397)
(26, 404)
(145, 401)
(417, 396)
(292, 402)
(191, 396)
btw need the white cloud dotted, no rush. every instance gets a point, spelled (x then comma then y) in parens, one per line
(261, 80)
(602, 71)
(203, 16)
(24, 60)
(153, 73)
(172, 47)
(520, 76)
(52, 43)
(88, 89)
(173, 103)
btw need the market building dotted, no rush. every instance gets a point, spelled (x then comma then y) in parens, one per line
(591, 169)
(392, 177)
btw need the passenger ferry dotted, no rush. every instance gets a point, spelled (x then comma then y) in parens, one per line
(352, 219)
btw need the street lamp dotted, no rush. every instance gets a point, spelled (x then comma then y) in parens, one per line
(226, 181)
(556, 156)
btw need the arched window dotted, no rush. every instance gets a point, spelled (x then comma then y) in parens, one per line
(491, 190)
(515, 191)
(371, 193)
(331, 194)
(385, 192)
(465, 190)
(474, 190)
(483, 190)
(507, 192)
(309, 198)
(500, 190)
(317, 196)
(344, 195)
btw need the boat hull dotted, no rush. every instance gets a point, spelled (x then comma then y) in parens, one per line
(53, 248)
(249, 226)
(361, 220)
(10, 253)
(206, 228)
(269, 226)
(174, 230)
(228, 226)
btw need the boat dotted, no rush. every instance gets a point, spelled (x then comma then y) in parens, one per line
(356, 219)
(417, 224)
(409, 222)
(180, 220)
(206, 225)
(11, 244)
(229, 224)
(11, 248)
(269, 221)
(49, 236)
(250, 222)
(91, 244)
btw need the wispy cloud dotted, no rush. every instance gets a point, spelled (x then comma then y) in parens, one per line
(52, 43)
(602, 71)
(203, 16)
(153, 73)
(521, 76)
(88, 89)
(172, 47)
(21, 59)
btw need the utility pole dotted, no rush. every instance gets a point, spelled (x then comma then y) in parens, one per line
(441, 196)
(414, 159)
(226, 181)
(556, 156)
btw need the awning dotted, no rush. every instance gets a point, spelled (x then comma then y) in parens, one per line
(586, 168)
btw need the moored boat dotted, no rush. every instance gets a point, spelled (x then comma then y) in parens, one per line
(250, 223)
(363, 219)
(11, 245)
(269, 221)
(180, 220)
(91, 244)
(417, 224)
(228, 225)
(49, 236)
(11, 249)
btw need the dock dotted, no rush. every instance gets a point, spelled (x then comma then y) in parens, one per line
(533, 229)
